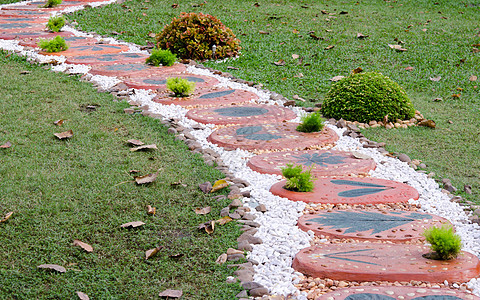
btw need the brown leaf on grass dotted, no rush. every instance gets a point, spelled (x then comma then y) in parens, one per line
(82, 296)
(210, 227)
(281, 62)
(409, 68)
(151, 210)
(133, 224)
(149, 178)
(223, 220)
(397, 48)
(343, 12)
(58, 122)
(295, 31)
(361, 36)
(256, 4)
(218, 185)
(324, 12)
(299, 75)
(178, 183)
(472, 78)
(64, 135)
(424, 29)
(329, 47)
(144, 147)
(437, 99)
(176, 256)
(151, 34)
(263, 32)
(476, 45)
(313, 36)
(232, 68)
(436, 79)
(152, 252)
(295, 56)
(203, 211)
(52, 267)
(337, 78)
(174, 5)
(134, 171)
(6, 145)
(222, 259)
(83, 245)
(427, 123)
(297, 97)
(171, 293)
(456, 95)
(475, 50)
(135, 142)
(7, 216)
(357, 70)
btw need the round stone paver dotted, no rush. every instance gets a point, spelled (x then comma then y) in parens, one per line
(134, 70)
(394, 226)
(4, 20)
(240, 114)
(23, 13)
(350, 191)
(107, 59)
(33, 35)
(383, 262)
(280, 136)
(396, 292)
(97, 49)
(153, 82)
(208, 98)
(71, 41)
(322, 162)
(20, 27)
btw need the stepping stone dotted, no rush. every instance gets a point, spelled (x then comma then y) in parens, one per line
(23, 13)
(107, 59)
(394, 226)
(277, 136)
(135, 69)
(20, 27)
(350, 191)
(240, 114)
(33, 35)
(90, 50)
(4, 20)
(153, 82)
(208, 97)
(396, 292)
(71, 40)
(322, 162)
(383, 262)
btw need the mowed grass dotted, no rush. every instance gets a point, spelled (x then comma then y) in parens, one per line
(82, 188)
(439, 37)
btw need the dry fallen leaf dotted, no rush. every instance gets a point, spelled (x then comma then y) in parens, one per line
(178, 183)
(337, 78)
(83, 245)
(475, 50)
(6, 145)
(427, 123)
(152, 252)
(203, 211)
(82, 296)
(218, 185)
(152, 146)
(297, 97)
(472, 78)
(295, 56)
(223, 220)
(361, 36)
(329, 47)
(409, 68)
(357, 70)
(263, 32)
(58, 122)
(151, 34)
(135, 142)
(149, 178)
(313, 36)
(210, 227)
(299, 75)
(437, 99)
(397, 47)
(132, 224)
(171, 293)
(174, 5)
(281, 62)
(456, 95)
(57, 268)
(7, 216)
(360, 155)
(151, 210)
(176, 256)
(64, 135)
(436, 78)
(222, 259)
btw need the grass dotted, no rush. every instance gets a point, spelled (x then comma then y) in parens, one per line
(438, 35)
(81, 188)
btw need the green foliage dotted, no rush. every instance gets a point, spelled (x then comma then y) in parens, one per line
(161, 57)
(56, 23)
(193, 36)
(444, 241)
(311, 123)
(52, 3)
(180, 87)
(296, 179)
(365, 97)
(56, 44)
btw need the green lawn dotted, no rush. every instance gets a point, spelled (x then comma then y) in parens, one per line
(438, 35)
(81, 188)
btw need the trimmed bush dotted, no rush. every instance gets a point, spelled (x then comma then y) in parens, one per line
(56, 44)
(180, 87)
(311, 123)
(444, 241)
(193, 36)
(161, 57)
(365, 97)
(297, 180)
(56, 23)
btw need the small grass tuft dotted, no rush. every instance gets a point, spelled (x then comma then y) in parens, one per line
(297, 180)
(56, 23)
(56, 44)
(161, 57)
(444, 241)
(311, 123)
(52, 3)
(180, 87)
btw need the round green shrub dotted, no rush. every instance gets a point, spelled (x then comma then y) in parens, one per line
(444, 241)
(193, 36)
(365, 97)
(180, 87)
(161, 57)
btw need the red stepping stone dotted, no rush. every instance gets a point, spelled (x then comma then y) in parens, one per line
(135, 69)
(324, 162)
(14, 27)
(208, 97)
(4, 20)
(280, 136)
(383, 262)
(71, 40)
(396, 292)
(23, 13)
(394, 226)
(350, 191)
(240, 114)
(107, 59)
(154, 81)
(33, 35)
(91, 50)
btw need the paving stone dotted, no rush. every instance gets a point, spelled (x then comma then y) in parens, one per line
(71, 40)
(394, 226)
(159, 81)
(15, 13)
(383, 262)
(97, 49)
(107, 59)
(280, 136)
(35, 34)
(16, 19)
(135, 69)
(240, 114)
(204, 97)
(322, 162)
(396, 292)
(20, 27)
(351, 191)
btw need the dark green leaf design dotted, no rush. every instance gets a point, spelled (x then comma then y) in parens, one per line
(263, 137)
(359, 192)
(369, 296)
(355, 183)
(248, 130)
(320, 160)
(338, 255)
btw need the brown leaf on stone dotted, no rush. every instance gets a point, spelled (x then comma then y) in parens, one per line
(149, 178)
(223, 220)
(64, 135)
(203, 211)
(58, 122)
(133, 224)
(218, 185)
(222, 259)
(152, 252)
(83, 245)
(337, 78)
(171, 293)
(7, 216)
(263, 32)
(427, 123)
(281, 62)
(409, 68)
(472, 78)
(151, 210)
(144, 147)
(357, 70)
(295, 56)
(52, 267)
(82, 296)
(436, 79)
(361, 36)
(135, 142)
(329, 47)
(6, 145)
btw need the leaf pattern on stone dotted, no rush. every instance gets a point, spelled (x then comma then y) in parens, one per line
(321, 160)
(359, 192)
(248, 130)
(355, 183)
